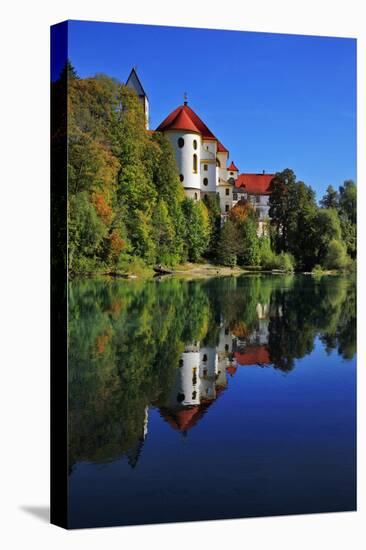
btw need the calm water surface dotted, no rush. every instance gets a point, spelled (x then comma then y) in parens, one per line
(222, 398)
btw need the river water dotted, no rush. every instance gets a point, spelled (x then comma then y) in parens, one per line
(208, 399)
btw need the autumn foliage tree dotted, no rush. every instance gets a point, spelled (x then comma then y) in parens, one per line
(125, 200)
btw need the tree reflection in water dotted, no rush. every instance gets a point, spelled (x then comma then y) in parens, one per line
(176, 345)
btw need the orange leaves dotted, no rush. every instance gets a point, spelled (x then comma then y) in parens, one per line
(116, 244)
(103, 209)
(241, 211)
(101, 342)
(116, 307)
(240, 329)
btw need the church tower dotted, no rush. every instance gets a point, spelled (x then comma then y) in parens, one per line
(134, 83)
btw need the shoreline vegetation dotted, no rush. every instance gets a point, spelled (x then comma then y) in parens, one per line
(202, 271)
(127, 211)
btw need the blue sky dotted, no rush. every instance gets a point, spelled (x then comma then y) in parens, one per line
(275, 101)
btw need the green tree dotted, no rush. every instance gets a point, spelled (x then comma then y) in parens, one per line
(292, 212)
(197, 229)
(330, 199)
(281, 188)
(248, 242)
(163, 234)
(348, 216)
(228, 244)
(328, 228)
(212, 203)
(348, 200)
(86, 232)
(336, 255)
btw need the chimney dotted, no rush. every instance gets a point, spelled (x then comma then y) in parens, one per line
(263, 171)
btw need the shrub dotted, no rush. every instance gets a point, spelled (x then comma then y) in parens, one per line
(286, 261)
(317, 270)
(270, 260)
(266, 254)
(336, 256)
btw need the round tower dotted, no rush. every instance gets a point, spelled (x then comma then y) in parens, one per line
(185, 138)
(187, 147)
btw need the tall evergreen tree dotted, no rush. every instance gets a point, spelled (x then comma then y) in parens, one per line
(330, 199)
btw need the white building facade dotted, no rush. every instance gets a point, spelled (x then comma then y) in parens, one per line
(202, 161)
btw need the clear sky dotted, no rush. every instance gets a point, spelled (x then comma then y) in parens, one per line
(275, 101)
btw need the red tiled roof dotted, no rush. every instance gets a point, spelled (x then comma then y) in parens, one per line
(231, 369)
(185, 418)
(257, 184)
(253, 355)
(184, 118)
(179, 119)
(232, 167)
(221, 148)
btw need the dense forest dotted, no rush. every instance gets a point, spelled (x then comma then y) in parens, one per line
(126, 339)
(127, 209)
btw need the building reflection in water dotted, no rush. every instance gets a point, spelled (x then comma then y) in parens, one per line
(202, 374)
(133, 453)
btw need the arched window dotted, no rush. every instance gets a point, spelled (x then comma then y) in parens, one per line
(218, 163)
(181, 177)
(204, 358)
(195, 163)
(180, 142)
(194, 144)
(195, 196)
(205, 181)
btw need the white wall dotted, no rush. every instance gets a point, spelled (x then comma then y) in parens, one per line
(186, 383)
(184, 156)
(207, 373)
(147, 112)
(224, 198)
(222, 171)
(210, 174)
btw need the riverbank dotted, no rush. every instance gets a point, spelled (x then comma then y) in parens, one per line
(194, 270)
(187, 270)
